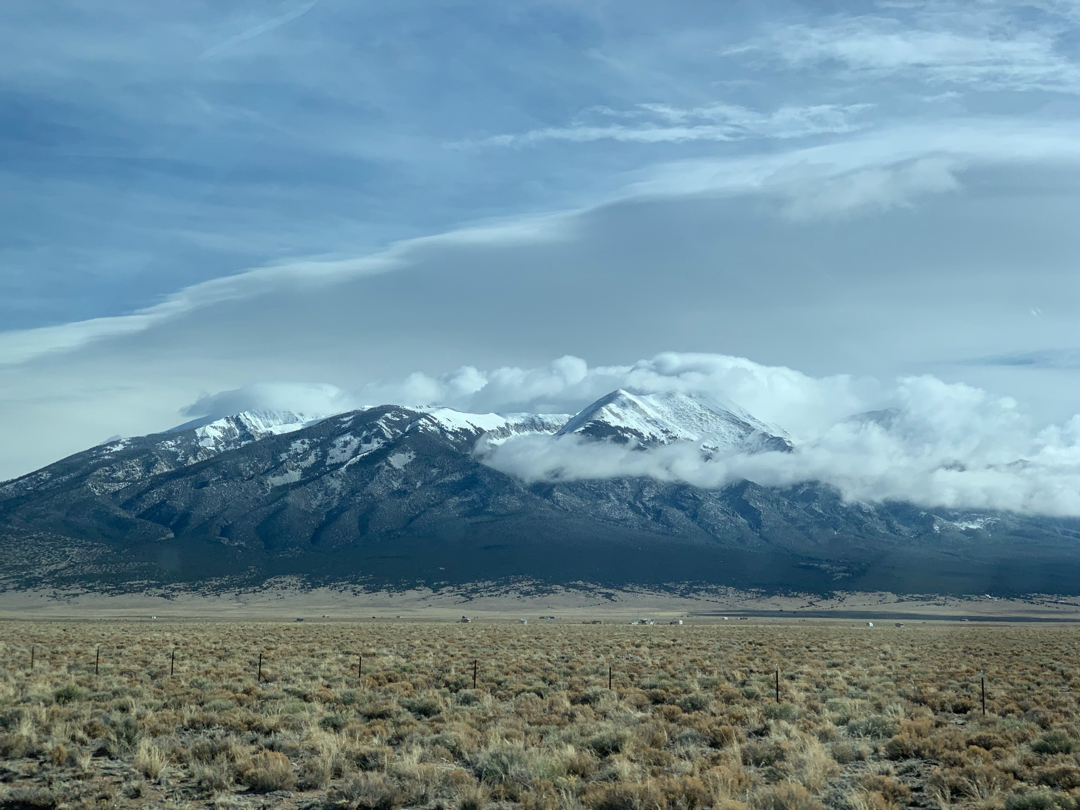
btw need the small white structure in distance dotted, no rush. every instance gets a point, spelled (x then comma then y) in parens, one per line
(869, 624)
(523, 621)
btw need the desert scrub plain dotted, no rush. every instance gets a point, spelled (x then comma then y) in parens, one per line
(868, 719)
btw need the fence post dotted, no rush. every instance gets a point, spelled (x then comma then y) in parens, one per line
(172, 663)
(97, 660)
(982, 679)
(778, 684)
(33, 649)
(259, 676)
(609, 677)
(474, 666)
(359, 666)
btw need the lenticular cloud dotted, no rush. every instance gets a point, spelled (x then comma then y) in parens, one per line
(916, 439)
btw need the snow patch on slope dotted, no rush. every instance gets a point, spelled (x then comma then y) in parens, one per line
(493, 426)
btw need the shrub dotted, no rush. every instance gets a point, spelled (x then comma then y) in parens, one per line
(889, 788)
(270, 771)
(473, 797)
(845, 753)
(212, 778)
(36, 798)
(763, 753)
(592, 696)
(723, 735)
(1056, 742)
(784, 796)
(501, 763)
(874, 727)
(1065, 777)
(150, 759)
(369, 791)
(686, 793)
(695, 702)
(122, 737)
(333, 722)
(608, 742)
(1032, 800)
(382, 710)
(425, 706)
(781, 711)
(69, 693)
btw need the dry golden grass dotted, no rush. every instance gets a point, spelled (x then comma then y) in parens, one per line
(869, 719)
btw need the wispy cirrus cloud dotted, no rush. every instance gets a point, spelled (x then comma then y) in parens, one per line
(24, 345)
(261, 28)
(1041, 359)
(664, 123)
(981, 47)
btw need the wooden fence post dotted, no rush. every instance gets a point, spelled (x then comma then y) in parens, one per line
(172, 663)
(778, 684)
(33, 649)
(97, 660)
(259, 676)
(474, 667)
(359, 666)
(609, 677)
(982, 679)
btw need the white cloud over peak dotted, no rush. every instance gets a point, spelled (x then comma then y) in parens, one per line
(798, 402)
(305, 399)
(915, 439)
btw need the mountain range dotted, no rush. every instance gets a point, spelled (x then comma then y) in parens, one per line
(395, 496)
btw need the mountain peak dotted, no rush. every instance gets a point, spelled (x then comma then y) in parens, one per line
(671, 416)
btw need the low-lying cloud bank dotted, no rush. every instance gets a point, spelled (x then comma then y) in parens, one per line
(916, 439)
(865, 460)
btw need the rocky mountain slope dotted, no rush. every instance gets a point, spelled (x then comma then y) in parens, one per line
(396, 496)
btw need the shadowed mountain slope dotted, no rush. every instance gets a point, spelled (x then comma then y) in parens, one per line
(395, 496)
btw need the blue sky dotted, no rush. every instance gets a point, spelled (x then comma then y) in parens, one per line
(202, 197)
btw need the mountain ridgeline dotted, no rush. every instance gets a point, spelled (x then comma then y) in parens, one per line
(393, 496)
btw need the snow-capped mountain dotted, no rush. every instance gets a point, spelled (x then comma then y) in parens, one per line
(494, 427)
(258, 423)
(398, 496)
(118, 463)
(656, 419)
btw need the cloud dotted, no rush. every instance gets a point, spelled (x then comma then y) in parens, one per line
(304, 399)
(20, 346)
(714, 122)
(256, 30)
(869, 173)
(812, 193)
(987, 47)
(916, 439)
(1044, 359)
(941, 445)
(803, 405)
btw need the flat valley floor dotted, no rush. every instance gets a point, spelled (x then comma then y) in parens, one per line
(282, 601)
(548, 715)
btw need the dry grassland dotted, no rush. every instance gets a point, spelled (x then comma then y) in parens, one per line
(869, 718)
